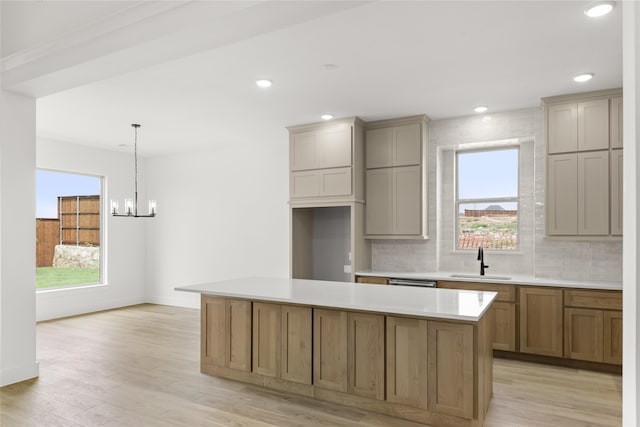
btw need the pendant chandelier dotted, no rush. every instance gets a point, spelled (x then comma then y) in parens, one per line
(131, 205)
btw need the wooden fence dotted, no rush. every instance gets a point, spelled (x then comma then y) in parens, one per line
(78, 223)
(47, 237)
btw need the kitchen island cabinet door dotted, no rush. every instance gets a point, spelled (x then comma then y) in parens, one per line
(238, 335)
(583, 334)
(330, 349)
(612, 337)
(266, 339)
(296, 344)
(213, 326)
(365, 350)
(541, 321)
(406, 361)
(450, 368)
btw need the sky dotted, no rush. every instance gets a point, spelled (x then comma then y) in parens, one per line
(488, 174)
(50, 185)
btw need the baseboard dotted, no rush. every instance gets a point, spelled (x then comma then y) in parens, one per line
(19, 373)
(53, 309)
(185, 300)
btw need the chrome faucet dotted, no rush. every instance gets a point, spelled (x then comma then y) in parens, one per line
(481, 259)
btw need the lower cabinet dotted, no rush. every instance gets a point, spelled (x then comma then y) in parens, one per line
(266, 339)
(226, 337)
(541, 320)
(296, 344)
(330, 349)
(593, 326)
(406, 361)
(365, 353)
(504, 326)
(450, 371)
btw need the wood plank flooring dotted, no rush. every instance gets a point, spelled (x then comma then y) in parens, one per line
(139, 366)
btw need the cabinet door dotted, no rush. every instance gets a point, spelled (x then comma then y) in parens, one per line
(366, 355)
(379, 152)
(407, 196)
(379, 202)
(593, 193)
(296, 344)
(407, 145)
(616, 122)
(562, 194)
(593, 125)
(303, 151)
(616, 192)
(504, 326)
(304, 184)
(406, 361)
(541, 321)
(450, 368)
(213, 326)
(335, 182)
(583, 334)
(266, 339)
(334, 147)
(238, 335)
(612, 337)
(562, 128)
(330, 349)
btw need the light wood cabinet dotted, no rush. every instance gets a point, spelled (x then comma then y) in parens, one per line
(616, 192)
(583, 329)
(330, 349)
(541, 320)
(503, 325)
(372, 280)
(297, 344)
(612, 341)
(593, 325)
(266, 339)
(394, 202)
(395, 179)
(450, 369)
(394, 146)
(616, 122)
(227, 341)
(365, 351)
(406, 361)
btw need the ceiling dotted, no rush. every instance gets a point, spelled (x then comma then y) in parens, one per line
(392, 59)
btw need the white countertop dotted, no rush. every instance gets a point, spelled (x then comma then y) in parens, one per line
(490, 278)
(411, 301)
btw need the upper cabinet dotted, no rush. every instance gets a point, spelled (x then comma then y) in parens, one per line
(584, 141)
(396, 178)
(326, 162)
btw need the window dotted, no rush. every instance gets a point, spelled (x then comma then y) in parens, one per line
(487, 199)
(68, 229)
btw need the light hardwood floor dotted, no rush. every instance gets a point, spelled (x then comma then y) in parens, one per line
(139, 366)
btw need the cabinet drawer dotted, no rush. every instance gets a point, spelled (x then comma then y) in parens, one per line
(505, 292)
(372, 280)
(593, 299)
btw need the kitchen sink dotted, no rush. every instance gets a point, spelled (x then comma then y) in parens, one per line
(479, 277)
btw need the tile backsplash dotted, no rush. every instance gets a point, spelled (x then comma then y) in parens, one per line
(566, 260)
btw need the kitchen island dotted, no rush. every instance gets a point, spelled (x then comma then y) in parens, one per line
(415, 353)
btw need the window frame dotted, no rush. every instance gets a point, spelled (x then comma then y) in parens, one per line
(458, 201)
(102, 280)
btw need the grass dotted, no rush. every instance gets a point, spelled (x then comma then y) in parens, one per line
(54, 277)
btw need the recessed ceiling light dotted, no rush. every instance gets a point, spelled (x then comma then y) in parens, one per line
(326, 116)
(601, 8)
(583, 78)
(481, 109)
(264, 83)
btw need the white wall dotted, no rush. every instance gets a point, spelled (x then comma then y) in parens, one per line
(552, 259)
(124, 239)
(222, 214)
(17, 239)
(631, 183)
